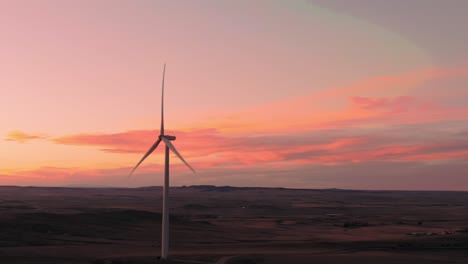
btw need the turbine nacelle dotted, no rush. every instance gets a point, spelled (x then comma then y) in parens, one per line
(170, 138)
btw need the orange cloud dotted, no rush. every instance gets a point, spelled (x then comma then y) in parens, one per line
(41, 176)
(210, 148)
(22, 137)
(134, 141)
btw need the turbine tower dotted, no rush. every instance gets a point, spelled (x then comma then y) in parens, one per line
(169, 146)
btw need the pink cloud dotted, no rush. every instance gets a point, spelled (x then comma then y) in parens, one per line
(312, 111)
(395, 104)
(207, 148)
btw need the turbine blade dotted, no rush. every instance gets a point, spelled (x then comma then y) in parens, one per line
(162, 101)
(169, 144)
(155, 145)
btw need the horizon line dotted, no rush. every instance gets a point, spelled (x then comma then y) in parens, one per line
(226, 186)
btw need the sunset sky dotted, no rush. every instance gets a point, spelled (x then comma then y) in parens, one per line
(362, 94)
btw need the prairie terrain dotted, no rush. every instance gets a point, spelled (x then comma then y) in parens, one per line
(232, 225)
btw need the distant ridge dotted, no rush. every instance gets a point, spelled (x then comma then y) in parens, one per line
(215, 188)
(228, 188)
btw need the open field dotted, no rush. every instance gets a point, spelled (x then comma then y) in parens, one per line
(232, 225)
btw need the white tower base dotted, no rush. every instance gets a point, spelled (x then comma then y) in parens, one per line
(165, 209)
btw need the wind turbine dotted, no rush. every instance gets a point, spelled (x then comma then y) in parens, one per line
(169, 146)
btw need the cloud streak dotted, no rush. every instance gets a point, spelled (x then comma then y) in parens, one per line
(212, 148)
(374, 100)
(385, 175)
(22, 137)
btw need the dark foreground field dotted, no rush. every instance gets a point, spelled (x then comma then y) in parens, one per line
(232, 225)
